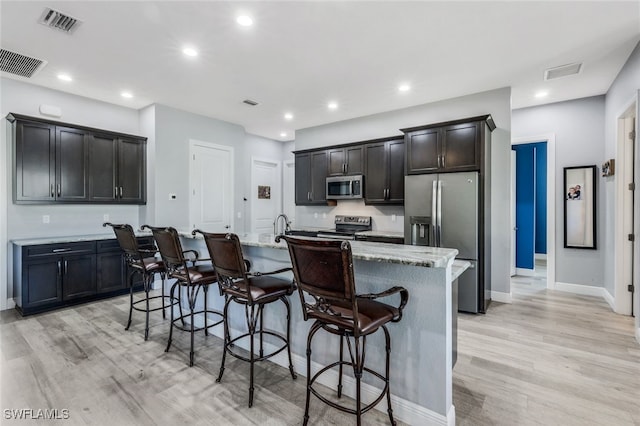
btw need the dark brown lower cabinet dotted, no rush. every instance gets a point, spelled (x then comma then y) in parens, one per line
(50, 276)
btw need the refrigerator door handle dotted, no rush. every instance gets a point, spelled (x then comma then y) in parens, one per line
(439, 213)
(434, 215)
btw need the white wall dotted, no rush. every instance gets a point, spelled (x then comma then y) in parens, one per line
(495, 102)
(624, 89)
(579, 129)
(26, 220)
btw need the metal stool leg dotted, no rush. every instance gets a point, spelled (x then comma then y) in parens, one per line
(162, 277)
(227, 338)
(388, 348)
(252, 329)
(205, 288)
(130, 299)
(172, 292)
(340, 367)
(291, 369)
(147, 287)
(315, 327)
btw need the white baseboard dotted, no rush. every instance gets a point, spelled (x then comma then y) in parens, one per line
(9, 304)
(609, 298)
(540, 256)
(638, 334)
(406, 411)
(524, 272)
(501, 297)
(586, 290)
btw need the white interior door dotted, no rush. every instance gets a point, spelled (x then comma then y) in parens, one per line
(289, 191)
(266, 190)
(210, 186)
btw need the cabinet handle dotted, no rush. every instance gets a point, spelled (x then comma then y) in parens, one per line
(65, 267)
(115, 192)
(60, 250)
(120, 192)
(443, 162)
(308, 196)
(346, 168)
(59, 190)
(438, 161)
(59, 268)
(53, 194)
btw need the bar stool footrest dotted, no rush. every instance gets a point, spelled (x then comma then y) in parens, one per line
(188, 316)
(172, 303)
(230, 344)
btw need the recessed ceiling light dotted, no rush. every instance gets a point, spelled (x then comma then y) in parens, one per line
(127, 95)
(244, 20)
(190, 51)
(288, 116)
(541, 94)
(283, 134)
(332, 105)
(404, 88)
(64, 77)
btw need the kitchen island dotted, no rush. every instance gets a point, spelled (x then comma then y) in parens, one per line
(422, 342)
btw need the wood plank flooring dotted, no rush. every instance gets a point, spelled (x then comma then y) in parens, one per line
(549, 358)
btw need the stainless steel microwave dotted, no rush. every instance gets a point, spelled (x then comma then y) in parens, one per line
(345, 187)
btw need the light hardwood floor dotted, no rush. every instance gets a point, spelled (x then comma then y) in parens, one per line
(549, 358)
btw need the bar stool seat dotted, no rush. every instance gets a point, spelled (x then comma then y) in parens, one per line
(145, 266)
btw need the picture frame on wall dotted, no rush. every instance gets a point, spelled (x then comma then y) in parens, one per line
(580, 192)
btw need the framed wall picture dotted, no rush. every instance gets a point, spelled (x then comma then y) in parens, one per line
(580, 207)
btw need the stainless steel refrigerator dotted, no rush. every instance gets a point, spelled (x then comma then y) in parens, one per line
(444, 210)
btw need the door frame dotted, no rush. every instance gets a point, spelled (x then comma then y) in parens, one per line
(211, 145)
(621, 304)
(550, 139)
(253, 192)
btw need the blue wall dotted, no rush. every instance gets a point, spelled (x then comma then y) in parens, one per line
(541, 197)
(531, 202)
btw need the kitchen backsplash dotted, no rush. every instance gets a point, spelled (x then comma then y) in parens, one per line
(384, 218)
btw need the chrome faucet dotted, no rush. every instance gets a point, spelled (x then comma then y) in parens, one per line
(276, 224)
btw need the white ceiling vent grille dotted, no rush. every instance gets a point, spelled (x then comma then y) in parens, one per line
(562, 71)
(18, 64)
(58, 20)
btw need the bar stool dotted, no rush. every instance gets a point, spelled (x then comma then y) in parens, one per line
(191, 278)
(323, 270)
(254, 291)
(141, 261)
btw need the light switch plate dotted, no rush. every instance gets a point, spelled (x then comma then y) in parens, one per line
(46, 218)
(105, 217)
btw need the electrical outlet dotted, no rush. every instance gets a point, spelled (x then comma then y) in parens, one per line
(393, 218)
(315, 215)
(105, 217)
(46, 218)
(324, 215)
(239, 215)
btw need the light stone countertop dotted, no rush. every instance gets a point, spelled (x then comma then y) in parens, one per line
(431, 257)
(72, 238)
(389, 234)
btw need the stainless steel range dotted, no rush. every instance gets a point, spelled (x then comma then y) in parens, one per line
(346, 227)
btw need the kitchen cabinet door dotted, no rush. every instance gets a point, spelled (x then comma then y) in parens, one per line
(103, 172)
(35, 162)
(42, 283)
(110, 272)
(319, 177)
(461, 147)
(375, 184)
(303, 179)
(395, 193)
(423, 151)
(345, 161)
(384, 172)
(72, 177)
(78, 276)
(132, 171)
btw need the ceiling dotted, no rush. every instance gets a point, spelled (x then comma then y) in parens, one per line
(298, 56)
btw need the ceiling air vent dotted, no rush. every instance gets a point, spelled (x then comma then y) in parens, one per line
(18, 64)
(250, 102)
(58, 20)
(562, 71)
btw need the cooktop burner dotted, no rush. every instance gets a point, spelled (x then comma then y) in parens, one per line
(347, 226)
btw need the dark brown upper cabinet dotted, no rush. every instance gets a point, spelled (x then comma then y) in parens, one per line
(345, 161)
(384, 171)
(311, 175)
(63, 163)
(453, 146)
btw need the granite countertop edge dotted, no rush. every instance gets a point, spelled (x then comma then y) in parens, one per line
(70, 238)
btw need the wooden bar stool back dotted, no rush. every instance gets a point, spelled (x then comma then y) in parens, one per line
(323, 270)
